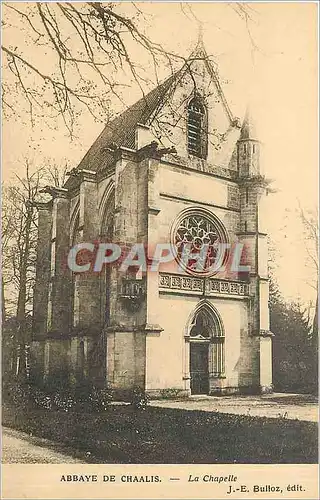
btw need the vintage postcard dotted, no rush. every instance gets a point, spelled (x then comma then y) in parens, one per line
(160, 250)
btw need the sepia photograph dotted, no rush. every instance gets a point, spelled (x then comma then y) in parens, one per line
(160, 238)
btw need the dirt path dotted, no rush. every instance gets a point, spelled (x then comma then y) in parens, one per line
(290, 406)
(18, 447)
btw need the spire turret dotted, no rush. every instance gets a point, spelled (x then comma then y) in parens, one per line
(248, 129)
(200, 33)
(199, 49)
(248, 148)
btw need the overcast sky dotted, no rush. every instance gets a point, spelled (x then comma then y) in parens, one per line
(280, 80)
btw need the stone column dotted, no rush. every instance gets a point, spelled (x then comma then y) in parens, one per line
(56, 355)
(60, 274)
(41, 289)
(252, 233)
(41, 292)
(186, 366)
(89, 296)
(126, 333)
(255, 241)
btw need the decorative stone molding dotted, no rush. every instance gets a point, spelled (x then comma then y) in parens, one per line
(201, 166)
(222, 172)
(207, 286)
(55, 192)
(76, 177)
(152, 150)
(145, 327)
(265, 333)
(257, 181)
(153, 328)
(41, 205)
(186, 283)
(143, 125)
(236, 122)
(132, 293)
(124, 153)
(83, 174)
(120, 152)
(154, 210)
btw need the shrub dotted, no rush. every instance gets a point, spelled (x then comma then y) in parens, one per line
(170, 393)
(40, 398)
(83, 398)
(139, 399)
(57, 382)
(19, 394)
(63, 401)
(81, 392)
(100, 399)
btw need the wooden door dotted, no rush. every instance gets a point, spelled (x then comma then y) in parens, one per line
(199, 369)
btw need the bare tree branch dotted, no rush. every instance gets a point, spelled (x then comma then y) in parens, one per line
(88, 45)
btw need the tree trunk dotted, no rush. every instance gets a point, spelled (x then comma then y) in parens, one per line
(22, 362)
(3, 304)
(315, 326)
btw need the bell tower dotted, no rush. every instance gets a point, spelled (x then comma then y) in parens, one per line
(253, 234)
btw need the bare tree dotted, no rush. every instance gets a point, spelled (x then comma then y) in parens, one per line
(55, 175)
(7, 223)
(19, 225)
(85, 47)
(87, 43)
(310, 223)
(19, 231)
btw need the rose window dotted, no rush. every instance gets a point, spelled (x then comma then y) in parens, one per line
(198, 233)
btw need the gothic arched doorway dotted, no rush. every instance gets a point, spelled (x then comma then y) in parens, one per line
(206, 348)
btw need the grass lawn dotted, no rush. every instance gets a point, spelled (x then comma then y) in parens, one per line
(161, 435)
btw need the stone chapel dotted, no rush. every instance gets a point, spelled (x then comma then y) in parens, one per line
(175, 166)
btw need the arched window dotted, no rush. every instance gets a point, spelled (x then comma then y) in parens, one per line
(197, 128)
(201, 327)
(75, 308)
(107, 225)
(107, 234)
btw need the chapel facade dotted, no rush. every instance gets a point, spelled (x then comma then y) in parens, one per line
(176, 167)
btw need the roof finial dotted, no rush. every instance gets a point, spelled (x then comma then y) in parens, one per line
(248, 130)
(200, 33)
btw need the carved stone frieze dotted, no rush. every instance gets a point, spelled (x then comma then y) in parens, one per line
(209, 286)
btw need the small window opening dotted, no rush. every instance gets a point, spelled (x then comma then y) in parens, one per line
(81, 360)
(197, 129)
(247, 196)
(201, 327)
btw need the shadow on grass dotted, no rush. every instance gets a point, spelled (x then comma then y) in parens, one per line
(162, 435)
(295, 399)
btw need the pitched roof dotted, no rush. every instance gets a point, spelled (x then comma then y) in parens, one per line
(121, 130)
